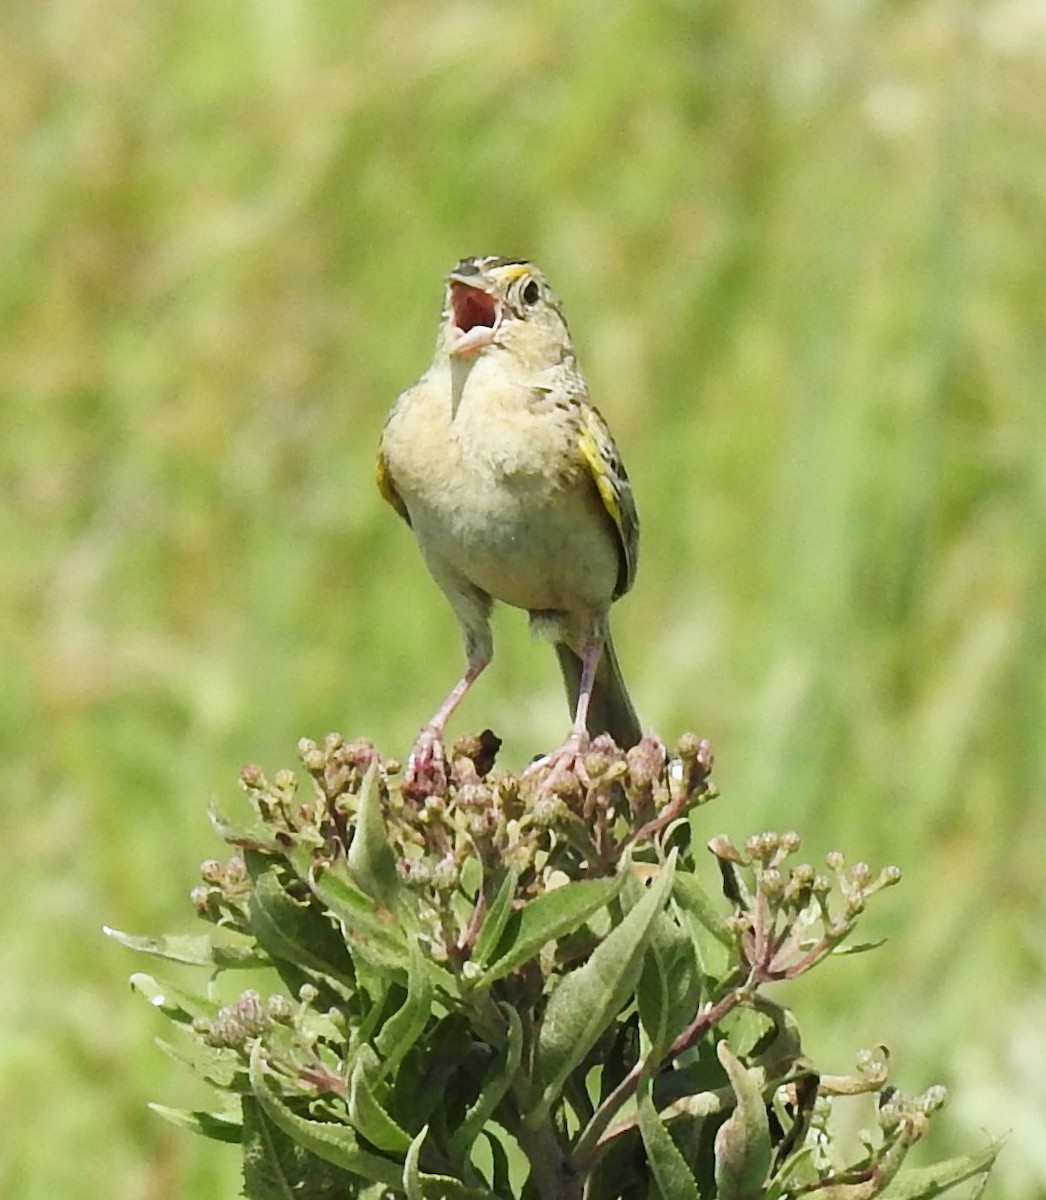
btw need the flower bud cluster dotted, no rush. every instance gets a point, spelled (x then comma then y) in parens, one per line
(457, 936)
(236, 1024)
(297, 1040)
(548, 823)
(223, 895)
(787, 919)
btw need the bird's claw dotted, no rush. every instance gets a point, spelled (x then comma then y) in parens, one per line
(426, 772)
(562, 763)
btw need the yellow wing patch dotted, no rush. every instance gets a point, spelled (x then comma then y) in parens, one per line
(603, 481)
(608, 474)
(383, 478)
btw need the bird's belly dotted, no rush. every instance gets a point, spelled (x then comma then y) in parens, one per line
(531, 546)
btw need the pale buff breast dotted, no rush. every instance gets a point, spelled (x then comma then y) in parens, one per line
(496, 492)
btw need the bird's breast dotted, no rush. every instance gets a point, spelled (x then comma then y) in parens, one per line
(497, 493)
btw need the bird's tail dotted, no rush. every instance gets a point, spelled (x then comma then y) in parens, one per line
(610, 709)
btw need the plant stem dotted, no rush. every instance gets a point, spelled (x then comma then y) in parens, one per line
(553, 1173)
(587, 1147)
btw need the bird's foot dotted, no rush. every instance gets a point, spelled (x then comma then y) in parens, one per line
(426, 772)
(561, 764)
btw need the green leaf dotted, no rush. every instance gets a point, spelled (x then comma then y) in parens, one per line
(499, 1080)
(411, 1172)
(256, 836)
(173, 1001)
(496, 919)
(652, 999)
(419, 1186)
(780, 1049)
(621, 1170)
(276, 1167)
(742, 1143)
(217, 1064)
(587, 1000)
(272, 1162)
(922, 1183)
(220, 1127)
(550, 916)
(371, 862)
(859, 947)
(365, 1110)
(296, 932)
(675, 1180)
(405, 1026)
(376, 936)
(669, 989)
(339, 1145)
(692, 897)
(501, 1181)
(328, 1140)
(198, 950)
(749, 1030)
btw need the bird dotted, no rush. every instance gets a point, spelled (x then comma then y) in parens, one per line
(515, 491)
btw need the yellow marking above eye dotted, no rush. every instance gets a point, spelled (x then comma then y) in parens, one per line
(514, 272)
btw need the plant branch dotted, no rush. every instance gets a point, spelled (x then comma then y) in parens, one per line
(553, 1172)
(588, 1145)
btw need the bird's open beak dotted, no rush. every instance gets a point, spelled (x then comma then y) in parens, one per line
(474, 317)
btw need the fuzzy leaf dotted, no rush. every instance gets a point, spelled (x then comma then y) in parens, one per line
(652, 999)
(675, 1180)
(198, 950)
(692, 897)
(175, 1002)
(496, 919)
(411, 1172)
(405, 1026)
(780, 1048)
(501, 1174)
(374, 935)
(587, 1000)
(923, 1183)
(272, 1162)
(217, 1064)
(749, 1030)
(256, 836)
(366, 1112)
(550, 916)
(499, 1080)
(328, 1140)
(296, 931)
(742, 1144)
(276, 1167)
(670, 984)
(338, 1144)
(220, 1127)
(370, 859)
(419, 1186)
(859, 947)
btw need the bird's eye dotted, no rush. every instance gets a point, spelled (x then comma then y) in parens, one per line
(531, 292)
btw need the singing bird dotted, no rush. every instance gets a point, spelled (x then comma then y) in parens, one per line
(515, 491)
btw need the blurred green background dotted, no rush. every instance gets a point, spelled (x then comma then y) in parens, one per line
(802, 251)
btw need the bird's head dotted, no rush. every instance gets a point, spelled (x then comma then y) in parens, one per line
(504, 302)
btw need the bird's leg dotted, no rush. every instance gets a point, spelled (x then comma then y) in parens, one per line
(567, 757)
(427, 765)
(589, 662)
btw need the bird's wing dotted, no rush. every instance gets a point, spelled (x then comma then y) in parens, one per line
(608, 474)
(383, 478)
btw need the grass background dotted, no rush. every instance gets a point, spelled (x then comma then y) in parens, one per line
(801, 248)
